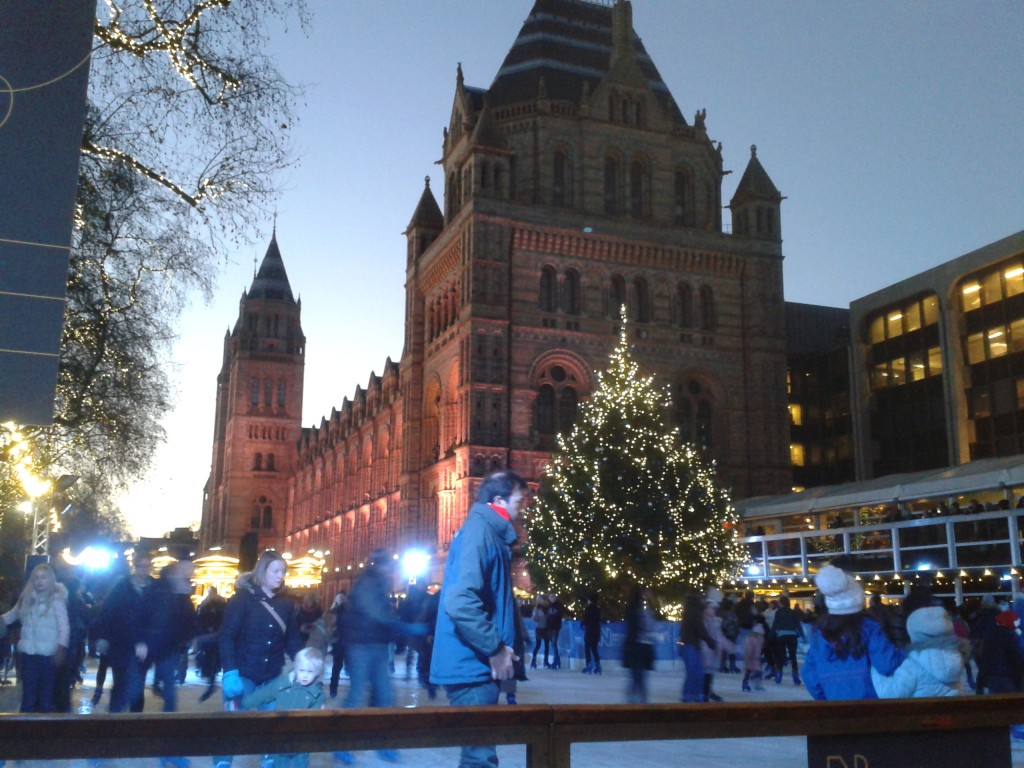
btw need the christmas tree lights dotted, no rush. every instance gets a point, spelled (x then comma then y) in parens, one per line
(626, 502)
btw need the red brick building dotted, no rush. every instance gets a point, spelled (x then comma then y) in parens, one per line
(573, 185)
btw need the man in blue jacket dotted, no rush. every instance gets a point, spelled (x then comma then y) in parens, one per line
(476, 621)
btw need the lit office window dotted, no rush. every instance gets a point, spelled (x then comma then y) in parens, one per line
(880, 376)
(876, 331)
(970, 296)
(912, 317)
(796, 454)
(1014, 280)
(976, 348)
(916, 369)
(1016, 340)
(992, 288)
(796, 414)
(996, 342)
(898, 368)
(895, 324)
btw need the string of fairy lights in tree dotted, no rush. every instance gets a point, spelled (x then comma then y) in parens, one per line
(625, 502)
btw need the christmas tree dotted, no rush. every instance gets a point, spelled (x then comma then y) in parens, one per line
(625, 502)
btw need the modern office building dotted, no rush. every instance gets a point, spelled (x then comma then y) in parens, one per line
(937, 408)
(938, 374)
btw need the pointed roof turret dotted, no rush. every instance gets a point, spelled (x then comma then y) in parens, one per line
(271, 281)
(427, 213)
(755, 183)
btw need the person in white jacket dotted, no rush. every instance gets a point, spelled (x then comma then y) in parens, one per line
(934, 662)
(43, 612)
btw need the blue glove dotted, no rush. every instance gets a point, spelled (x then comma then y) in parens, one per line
(414, 630)
(232, 684)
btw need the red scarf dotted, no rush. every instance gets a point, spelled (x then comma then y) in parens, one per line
(502, 512)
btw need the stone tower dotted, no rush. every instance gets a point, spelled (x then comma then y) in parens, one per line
(258, 416)
(574, 186)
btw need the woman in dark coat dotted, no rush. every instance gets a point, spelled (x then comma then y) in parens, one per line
(260, 626)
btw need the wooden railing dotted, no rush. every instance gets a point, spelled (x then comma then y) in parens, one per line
(548, 732)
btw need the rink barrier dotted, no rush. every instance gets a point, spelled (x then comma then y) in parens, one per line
(548, 732)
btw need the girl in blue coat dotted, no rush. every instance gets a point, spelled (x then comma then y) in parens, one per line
(846, 644)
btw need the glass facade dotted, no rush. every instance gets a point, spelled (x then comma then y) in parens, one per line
(908, 416)
(992, 302)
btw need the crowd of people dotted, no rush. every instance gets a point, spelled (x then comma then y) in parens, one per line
(471, 638)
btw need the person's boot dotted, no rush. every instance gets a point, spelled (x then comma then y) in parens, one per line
(597, 669)
(778, 676)
(533, 663)
(732, 663)
(587, 669)
(207, 693)
(796, 678)
(510, 698)
(746, 682)
(757, 681)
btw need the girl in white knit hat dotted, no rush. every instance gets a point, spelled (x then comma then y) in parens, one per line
(846, 643)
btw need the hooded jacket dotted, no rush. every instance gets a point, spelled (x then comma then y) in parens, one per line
(934, 662)
(251, 639)
(477, 612)
(44, 625)
(287, 694)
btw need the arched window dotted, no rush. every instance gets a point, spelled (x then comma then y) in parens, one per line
(254, 392)
(548, 289)
(567, 402)
(268, 392)
(546, 410)
(695, 414)
(571, 292)
(270, 463)
(262, 514)
(643, 300)
(257, 463)
(682, 198)
(611, 186)
(560, 182)
(616, 296)
(555, 408)
(684, 298)
(707, 308)
(280, 393)
(638, 189)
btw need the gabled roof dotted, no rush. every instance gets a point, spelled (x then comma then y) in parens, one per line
(755, 183)
(271, 282)
(569, 44)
